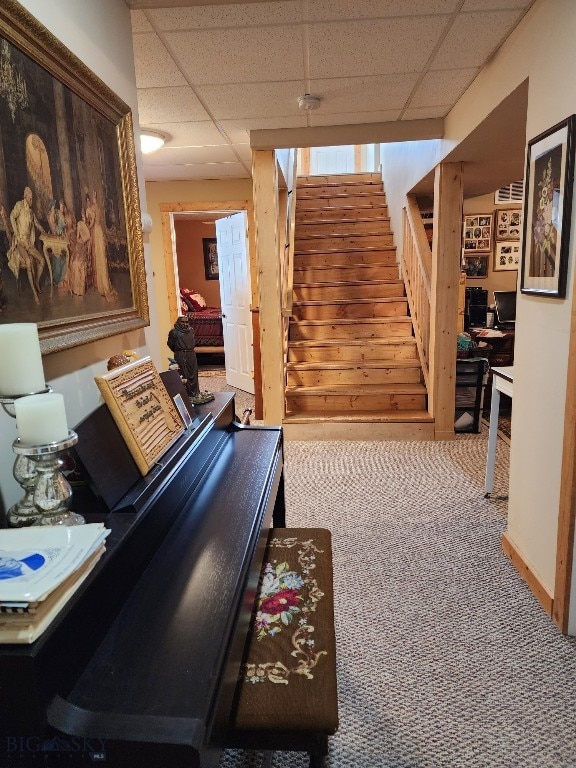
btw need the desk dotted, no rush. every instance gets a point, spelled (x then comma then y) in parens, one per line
(502, 381)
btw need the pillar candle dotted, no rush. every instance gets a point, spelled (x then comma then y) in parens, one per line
(41, 419)
(21, 369)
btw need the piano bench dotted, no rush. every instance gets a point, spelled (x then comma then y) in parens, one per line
(286, 697)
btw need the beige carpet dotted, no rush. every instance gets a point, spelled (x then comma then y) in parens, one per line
(445, 658)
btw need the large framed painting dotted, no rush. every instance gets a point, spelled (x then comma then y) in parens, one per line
(71, 253)
(548, 210)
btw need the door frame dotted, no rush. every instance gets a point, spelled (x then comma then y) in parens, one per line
(167, 211)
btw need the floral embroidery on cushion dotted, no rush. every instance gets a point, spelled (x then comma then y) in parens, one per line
(284, 595)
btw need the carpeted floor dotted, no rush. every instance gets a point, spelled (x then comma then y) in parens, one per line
(445, 659)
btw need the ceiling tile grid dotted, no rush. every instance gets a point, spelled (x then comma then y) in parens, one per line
(208, 74)
(243, 55)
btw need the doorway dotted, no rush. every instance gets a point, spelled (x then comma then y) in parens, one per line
(193, 261)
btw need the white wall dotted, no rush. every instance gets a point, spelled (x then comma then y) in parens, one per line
(98, 32)
(542, 49)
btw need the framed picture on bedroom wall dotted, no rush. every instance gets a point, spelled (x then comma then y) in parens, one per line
(210, 249)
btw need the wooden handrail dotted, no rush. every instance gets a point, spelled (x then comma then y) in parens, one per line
(417, 274)
(289, 243)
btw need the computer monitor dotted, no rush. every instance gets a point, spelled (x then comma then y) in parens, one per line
(505, 302)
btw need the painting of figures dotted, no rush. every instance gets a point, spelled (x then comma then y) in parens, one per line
(71, 256)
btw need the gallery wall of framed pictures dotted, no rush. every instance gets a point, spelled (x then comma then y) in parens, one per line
(491, 242)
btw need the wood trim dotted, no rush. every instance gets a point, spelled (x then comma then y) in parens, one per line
(446, 247)
(265, 185)
(169, 246)
(357, 158)
(258, 405)
(544, 597)
(305, 161)
(567, 501)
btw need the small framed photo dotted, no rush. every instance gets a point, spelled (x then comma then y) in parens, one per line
(548, 210)
(477, 232)
(508, 224)
(507, 256)
(475, 266)
(183, 411)
(210, 248)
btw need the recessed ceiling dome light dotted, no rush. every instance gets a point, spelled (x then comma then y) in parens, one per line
(150, 141)
(308, 101)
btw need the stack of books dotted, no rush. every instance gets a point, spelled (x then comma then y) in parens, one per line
(40, 569)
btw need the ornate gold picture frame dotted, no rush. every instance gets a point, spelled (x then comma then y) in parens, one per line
(71, 251)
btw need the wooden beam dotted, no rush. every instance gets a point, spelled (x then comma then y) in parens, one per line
(446, 249)
(265, 186)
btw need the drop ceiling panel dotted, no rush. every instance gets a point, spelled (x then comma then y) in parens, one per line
(495, 5)
(232, 102)
(241, 15)
(238, 130)
(244, 152)
(364, 93)
(373, 47)
(442, 87)
(354, 118)
(420, 113)
(200, 171)
(485, 29)
(192, 134)
(139, 22)
(239, 55)
(354, 9)
(159, 105)
(155, 67)
(183, 155)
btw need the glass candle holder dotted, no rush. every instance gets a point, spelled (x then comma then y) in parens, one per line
(24, 512)
(52, 493)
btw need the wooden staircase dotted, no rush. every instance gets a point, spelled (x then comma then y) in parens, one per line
(353, 369)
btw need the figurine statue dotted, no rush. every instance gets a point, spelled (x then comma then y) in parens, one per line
(181, 341)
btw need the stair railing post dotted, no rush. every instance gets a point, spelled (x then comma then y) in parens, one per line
(266, 217)
(446, 250)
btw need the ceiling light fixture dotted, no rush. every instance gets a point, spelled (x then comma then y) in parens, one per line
(308, 102)
(150, 141)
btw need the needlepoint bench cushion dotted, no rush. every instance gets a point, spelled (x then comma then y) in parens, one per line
(289, 679)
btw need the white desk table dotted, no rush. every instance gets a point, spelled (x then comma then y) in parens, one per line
(502, 381)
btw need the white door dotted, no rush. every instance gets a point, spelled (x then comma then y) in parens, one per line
(234, 275)
(327, 160)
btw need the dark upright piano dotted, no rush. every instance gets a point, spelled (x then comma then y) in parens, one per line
(140, 667)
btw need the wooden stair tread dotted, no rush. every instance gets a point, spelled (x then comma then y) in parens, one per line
(338, 302)
(352, 390)
(334, 365)
(309, 182)
(329, 251)
(395, 340)
(349, 283)
(355, 321)
(361, 416)
(343, 220)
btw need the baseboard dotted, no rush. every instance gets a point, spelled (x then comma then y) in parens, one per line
(544, 597)
(357, 431)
